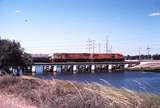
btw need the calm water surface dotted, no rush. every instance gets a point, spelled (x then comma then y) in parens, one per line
(139, 81)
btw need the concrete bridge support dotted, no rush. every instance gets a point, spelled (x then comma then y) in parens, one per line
(88, 68)
(63, 67)
(50, 68)
(92, 69)
(110, 68)
(54, 70)
(122, 67)
(99, 68)
(103, 68)
(126, 65)
(45, 69)
(81, 68)
(70, 68)
(75, 70)
(33, 70)
(106, 68)
(67, 69)
(59, 68)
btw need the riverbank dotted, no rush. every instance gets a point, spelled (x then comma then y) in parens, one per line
(148, 66)
(143, 69)
(38, 93)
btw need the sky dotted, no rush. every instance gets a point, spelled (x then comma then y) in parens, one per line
(50, 26)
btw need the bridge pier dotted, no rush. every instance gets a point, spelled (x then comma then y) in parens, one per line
(126, 65)
(110, 68)
(99, 68)
(87, 68)
(33, 70)
(92, 69)
(63, 67)
(70, 68)
(54, 70)
(106, 68)
(67, 69)
(45, 69)
(121, 67)
(103, 68)
(82, 67)
(75, 69)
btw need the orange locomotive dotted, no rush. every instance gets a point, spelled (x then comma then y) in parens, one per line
(86, 57)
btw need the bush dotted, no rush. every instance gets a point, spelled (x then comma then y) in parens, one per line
(67, 94)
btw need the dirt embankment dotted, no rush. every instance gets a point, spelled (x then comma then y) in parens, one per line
(17, 92)
(150, 65)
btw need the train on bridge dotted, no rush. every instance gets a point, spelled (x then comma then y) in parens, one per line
(80, 62)
(78, 57)
(86, 57)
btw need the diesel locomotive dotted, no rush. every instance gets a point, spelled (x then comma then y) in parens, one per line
(86, 57)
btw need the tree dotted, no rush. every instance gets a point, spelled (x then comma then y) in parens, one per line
(12, 55)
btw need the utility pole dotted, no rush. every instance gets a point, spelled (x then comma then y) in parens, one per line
(148, 51)
(99, 47)
(139, 52)
(107, 44)
(89, 45)
(93, 45)
(93, 49)
(111, 49)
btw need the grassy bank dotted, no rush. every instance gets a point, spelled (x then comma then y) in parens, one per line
(38, 93)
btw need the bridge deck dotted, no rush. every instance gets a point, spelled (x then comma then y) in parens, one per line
(87, 63)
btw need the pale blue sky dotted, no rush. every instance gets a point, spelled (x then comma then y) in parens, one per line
(47, 26)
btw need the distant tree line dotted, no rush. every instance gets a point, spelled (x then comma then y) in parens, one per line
(12, 56)
(142, 57)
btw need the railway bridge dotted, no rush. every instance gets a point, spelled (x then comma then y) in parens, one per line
(82, 67)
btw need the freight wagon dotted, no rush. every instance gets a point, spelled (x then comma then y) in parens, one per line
(86, 57)
(40, 58)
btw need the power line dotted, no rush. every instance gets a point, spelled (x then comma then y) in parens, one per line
(139, 53)
(111, 49)
(107, 43)
(89, 45)
(99, 47)
(93, 45)
(148, 51)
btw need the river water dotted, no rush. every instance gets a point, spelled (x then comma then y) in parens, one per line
(138, 81)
